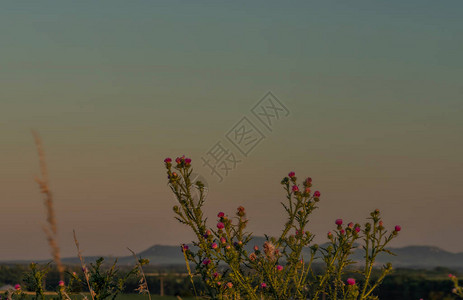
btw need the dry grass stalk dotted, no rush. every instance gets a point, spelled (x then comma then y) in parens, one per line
(82, 263)
(143, 282)
(50, 229)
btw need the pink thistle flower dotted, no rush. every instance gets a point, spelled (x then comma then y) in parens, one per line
(184, 247)
(178, 160)
(220, 225)
(350, 281)
(308, 181)
(330, 235)
(215, 275)
(291, 174)
(223, 240)
(342, 232)
(357, 229)
(397, 228)
(241, 211)
(17, 287)
(295, 188)
(451, 275)
(263, 285)
(338, 222)
(206, 261)
(350, 225)
(380, 225)
(316, 194)
(168, 160)
(61, 283)
(252, 256)
(220, 215)
(187, 161)
(229, 285)
(269, 250)
(214, 246)
(279, 267)
(238, 244)
(256, 248)
(307, 190)
(219, 283)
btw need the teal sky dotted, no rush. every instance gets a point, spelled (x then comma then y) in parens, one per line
(374, 90)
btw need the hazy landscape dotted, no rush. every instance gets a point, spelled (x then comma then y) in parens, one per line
(231, 150)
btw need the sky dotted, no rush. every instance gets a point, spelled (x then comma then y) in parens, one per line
(371, 90)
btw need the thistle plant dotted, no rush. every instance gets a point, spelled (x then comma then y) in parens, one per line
(457, 289)
(142, 283)
(278, 270)
(35, 279)
(16, 294)
(104, 282)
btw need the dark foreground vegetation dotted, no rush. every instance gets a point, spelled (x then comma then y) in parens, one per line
(401, 284)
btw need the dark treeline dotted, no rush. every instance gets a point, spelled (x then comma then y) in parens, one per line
(401, 284)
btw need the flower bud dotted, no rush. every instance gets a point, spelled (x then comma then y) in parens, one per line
(308, 182)
(241, 212)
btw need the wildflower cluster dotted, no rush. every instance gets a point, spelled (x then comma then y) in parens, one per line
(102, 283)
(16, 294)
(281, 267)
(457, 289)
(35, 279)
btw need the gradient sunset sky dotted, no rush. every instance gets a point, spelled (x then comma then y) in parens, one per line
(373, 88)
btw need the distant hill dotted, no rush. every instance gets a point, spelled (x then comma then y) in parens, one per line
(410, 256)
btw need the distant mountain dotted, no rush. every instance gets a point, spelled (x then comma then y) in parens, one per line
(410, 256)
(423, 256)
